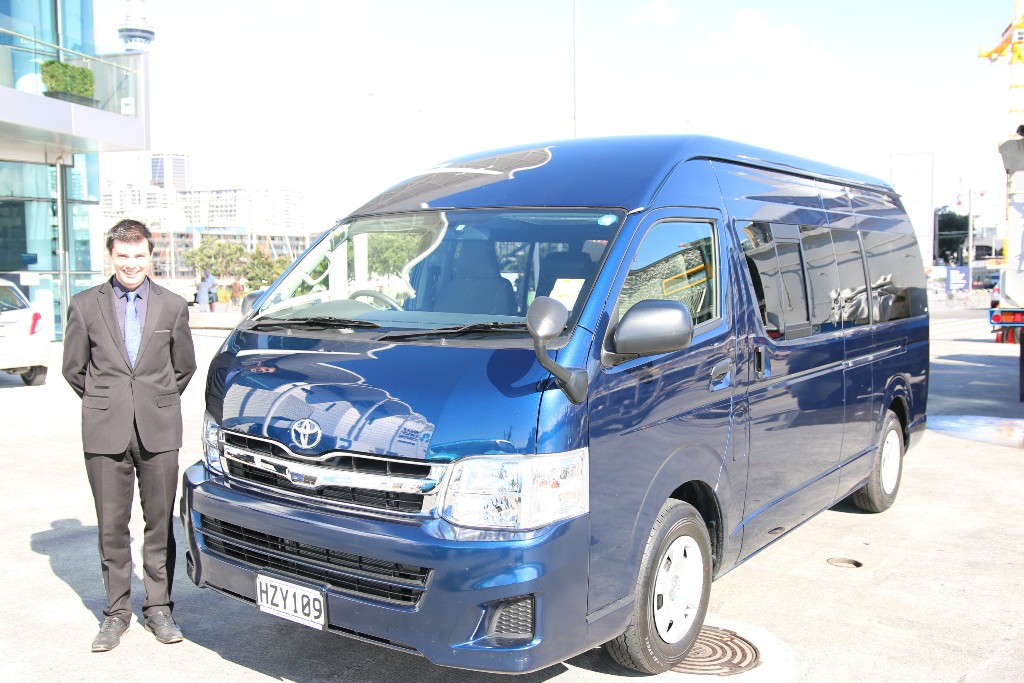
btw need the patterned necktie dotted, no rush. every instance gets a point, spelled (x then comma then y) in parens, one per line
(132, 329)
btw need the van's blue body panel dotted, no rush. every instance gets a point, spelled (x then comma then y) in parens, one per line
(435, 391)
(758, 453)
(447, 625)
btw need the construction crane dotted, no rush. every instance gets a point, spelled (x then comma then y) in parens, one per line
(1012, 44)
(1007, 315)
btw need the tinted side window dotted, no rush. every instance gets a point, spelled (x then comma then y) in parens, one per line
(763, 265)
(794, 292)
(822, 278)
(676, 261)
(897, 279)
(11, 299)
(853, 300)
(777, 274)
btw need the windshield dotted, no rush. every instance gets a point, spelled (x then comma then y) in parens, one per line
(445, 269)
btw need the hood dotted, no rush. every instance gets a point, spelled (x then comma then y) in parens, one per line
(406, 400)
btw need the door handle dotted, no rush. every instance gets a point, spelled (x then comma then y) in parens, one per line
(762, 362)
(721, 375)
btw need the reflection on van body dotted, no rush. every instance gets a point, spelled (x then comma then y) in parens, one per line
(465, 417)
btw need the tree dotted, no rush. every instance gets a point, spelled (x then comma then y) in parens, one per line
(952, 233)
(388, 252)
(222, 258)
(260, 271)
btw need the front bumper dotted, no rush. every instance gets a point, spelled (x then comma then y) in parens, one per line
(402, 584)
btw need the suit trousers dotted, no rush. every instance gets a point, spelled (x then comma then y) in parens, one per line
(112, 479)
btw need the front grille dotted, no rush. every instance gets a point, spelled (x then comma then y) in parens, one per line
(379, 500)
(345, 572)
(334, 478)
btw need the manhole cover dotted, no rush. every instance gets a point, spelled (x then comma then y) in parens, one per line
(719, 652)
(845, 562)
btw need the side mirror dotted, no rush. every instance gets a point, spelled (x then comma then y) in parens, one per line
(651, 327)
(250, 299)
(545, 320)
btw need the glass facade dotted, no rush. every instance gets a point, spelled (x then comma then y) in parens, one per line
(51, 228)
(35, 254)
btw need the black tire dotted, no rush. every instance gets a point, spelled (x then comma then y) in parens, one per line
(660, 635)
(34, 376)
(879, 492)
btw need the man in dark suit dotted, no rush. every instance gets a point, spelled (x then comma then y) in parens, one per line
(128, 354)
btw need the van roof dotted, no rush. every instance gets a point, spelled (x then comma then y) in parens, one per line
(624, 172)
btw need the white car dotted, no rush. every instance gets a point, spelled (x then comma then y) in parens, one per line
(24, 344)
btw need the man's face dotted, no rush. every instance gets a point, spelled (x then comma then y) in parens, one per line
(131, 262)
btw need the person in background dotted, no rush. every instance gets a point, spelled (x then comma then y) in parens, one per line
(236, 295)
(206, 291)
(128, 354)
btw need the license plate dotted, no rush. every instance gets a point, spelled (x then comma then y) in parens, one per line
(306, 606)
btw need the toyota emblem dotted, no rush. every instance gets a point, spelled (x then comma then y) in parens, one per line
(306, 433)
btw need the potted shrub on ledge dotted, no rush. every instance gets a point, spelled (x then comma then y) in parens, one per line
(68, 82)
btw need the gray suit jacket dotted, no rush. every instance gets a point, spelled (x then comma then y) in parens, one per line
(115, 397)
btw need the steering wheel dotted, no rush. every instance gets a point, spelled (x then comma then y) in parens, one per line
(379, 296)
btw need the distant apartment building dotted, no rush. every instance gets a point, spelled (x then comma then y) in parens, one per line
(172, 171)
(51, 223)
(267, 220)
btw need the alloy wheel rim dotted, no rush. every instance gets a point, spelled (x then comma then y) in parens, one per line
(678, 587)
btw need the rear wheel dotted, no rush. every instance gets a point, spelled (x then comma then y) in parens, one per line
(671, 595)
(34, 376)
(879, 493)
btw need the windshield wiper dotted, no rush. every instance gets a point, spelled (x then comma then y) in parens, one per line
(453, 331)
(318, 321)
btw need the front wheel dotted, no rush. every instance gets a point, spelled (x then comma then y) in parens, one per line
(879, 492)
(671, 595)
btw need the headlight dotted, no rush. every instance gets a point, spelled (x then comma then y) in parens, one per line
(519, 492)
(211, 444)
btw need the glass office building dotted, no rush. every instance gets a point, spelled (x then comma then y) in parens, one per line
(51, 131)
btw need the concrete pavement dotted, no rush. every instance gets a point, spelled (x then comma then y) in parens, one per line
(938, 595)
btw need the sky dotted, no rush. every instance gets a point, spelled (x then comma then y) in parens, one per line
(342, 99)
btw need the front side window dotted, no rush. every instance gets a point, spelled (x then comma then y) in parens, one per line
(676, 261)
(437, 269)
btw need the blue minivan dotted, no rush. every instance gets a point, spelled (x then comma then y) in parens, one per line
(534, 401)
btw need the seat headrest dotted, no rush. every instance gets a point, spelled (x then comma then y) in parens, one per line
(476, 259)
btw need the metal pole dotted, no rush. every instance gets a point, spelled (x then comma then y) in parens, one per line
(63, 262)
(575, 21)
(1020, 379)
(970, 240)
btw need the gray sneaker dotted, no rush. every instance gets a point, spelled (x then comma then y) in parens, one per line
(110, 634)
(161, 625)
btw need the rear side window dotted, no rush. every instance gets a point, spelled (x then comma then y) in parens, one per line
(822, 278)
(853, 297)
(11, 299)
(897, 280)
(676, 261)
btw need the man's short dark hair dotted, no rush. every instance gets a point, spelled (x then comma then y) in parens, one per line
(130, 232)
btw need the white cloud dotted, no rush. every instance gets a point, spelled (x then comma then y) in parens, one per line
(659, 12)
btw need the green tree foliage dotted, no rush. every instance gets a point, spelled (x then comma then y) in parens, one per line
(388, 252)
(952, 233)
(259, 270)
(220, 257)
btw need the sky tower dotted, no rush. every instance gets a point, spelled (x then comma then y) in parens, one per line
(135, 30)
